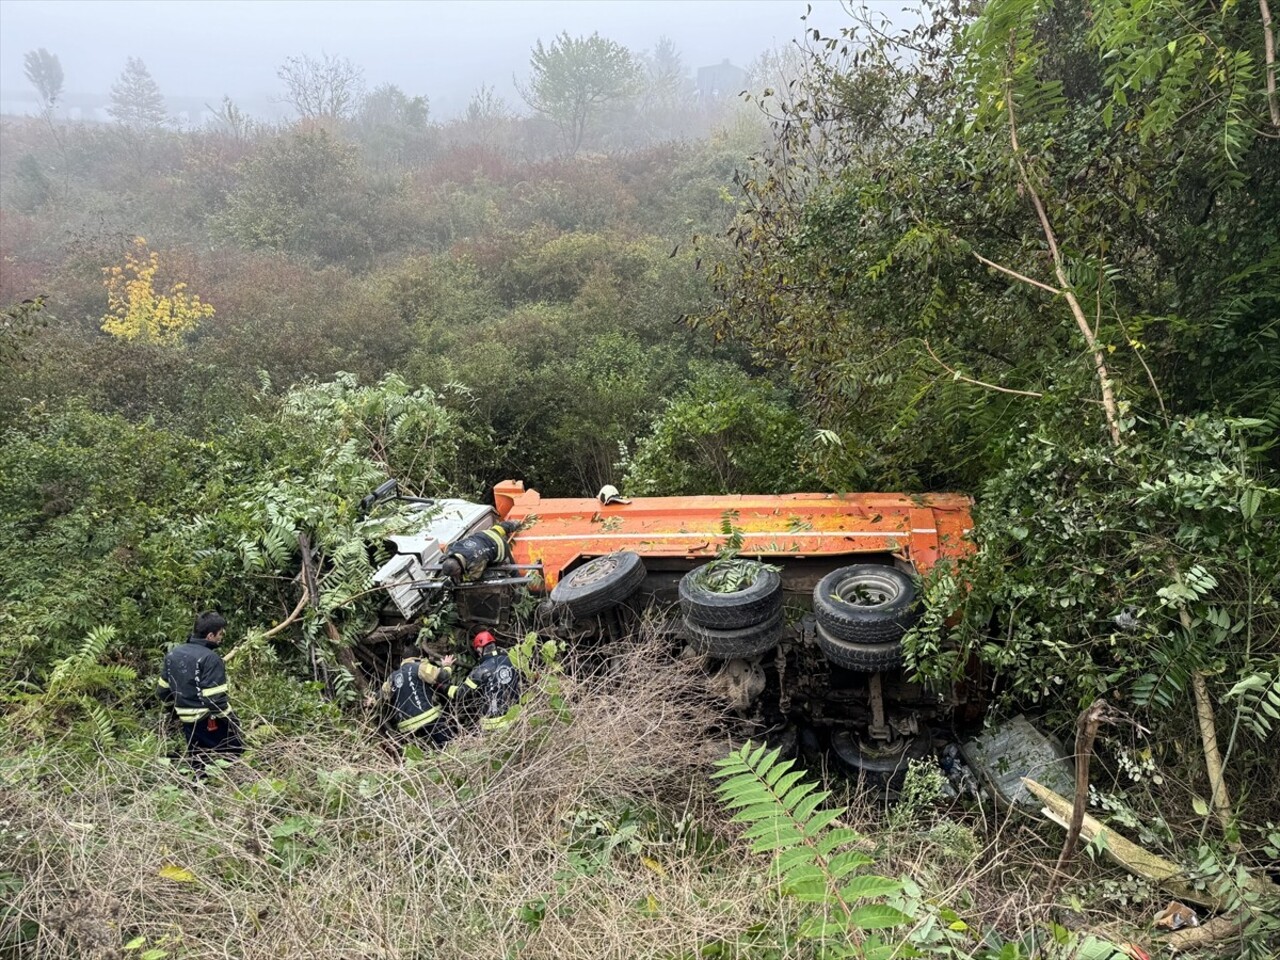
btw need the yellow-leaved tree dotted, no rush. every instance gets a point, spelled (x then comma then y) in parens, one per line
(137, 311)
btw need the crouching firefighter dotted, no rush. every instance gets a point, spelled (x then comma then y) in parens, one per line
(469, 557)
(493, 685)
(194, 679)
(419, 692)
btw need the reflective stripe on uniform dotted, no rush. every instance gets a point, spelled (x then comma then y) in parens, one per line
(191, 714)
(213, 691)
(421, 720)
(470, 684)
(500, 539)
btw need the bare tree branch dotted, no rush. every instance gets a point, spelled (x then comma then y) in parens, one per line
(1269, 45)
(1100, 364)
(977, 383)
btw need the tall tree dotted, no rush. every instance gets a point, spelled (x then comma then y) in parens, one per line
(393, 127)
(136, 101)
(574, 78)
(45, 73)
(666, 80)
(328, 88)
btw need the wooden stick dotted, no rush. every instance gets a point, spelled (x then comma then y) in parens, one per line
(1086, 732)
(1208, 935)
(1137, 860)
(1219, 800)
(274, 630)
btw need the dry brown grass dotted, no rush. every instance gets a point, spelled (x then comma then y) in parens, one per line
(591, 836)
(433, 858)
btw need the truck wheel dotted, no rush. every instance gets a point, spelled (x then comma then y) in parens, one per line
(867, 603)
(599, 584)
(742, 642)
(757, 601)
(881, 769)
(862, 657)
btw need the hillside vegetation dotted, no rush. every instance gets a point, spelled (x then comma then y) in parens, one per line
(1027, 250)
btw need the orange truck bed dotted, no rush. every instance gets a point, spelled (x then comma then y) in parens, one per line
(560, 533)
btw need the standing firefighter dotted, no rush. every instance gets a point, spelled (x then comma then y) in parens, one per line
(493, 685)
(418, 691)
(194, 678)
(469, 557)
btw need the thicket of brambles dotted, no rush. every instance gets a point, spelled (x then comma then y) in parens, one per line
(1027, 250)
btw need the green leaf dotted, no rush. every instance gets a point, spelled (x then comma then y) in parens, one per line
(842, 864)
(1250, 502)
(877, 916)
(871, 885)
(808, 891)
(1199, 806)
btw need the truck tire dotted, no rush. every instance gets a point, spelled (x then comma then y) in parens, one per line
(755, 603)
(879, 771)
(599, 584)
(861, 657)
(743, 642)
(867, 603)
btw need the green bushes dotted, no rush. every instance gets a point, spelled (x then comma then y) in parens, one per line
(727, 434)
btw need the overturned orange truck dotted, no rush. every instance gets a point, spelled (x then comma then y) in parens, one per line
(798, 602)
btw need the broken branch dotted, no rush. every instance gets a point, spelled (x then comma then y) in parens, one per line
(1137, 860)
(977, 383)
(274, 630)
(1086, 732)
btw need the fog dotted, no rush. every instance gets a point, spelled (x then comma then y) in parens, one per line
(443, 50)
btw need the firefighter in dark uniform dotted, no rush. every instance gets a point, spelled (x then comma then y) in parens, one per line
(493, 685)
(419, 692)
(194, 678)
(468, 558)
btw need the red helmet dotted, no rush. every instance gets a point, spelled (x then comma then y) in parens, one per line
(482, 640)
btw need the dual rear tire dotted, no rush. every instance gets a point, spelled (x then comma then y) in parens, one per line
(732, 608)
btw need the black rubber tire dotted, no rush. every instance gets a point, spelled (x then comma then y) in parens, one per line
(861, 657)
(879, 772)
(867, 603)
(599, 584)
(743, 642)
(755, 603)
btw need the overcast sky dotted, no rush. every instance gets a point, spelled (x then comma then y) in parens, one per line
(444, 49)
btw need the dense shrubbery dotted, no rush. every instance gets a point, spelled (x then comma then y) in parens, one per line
(1036, 259)
(1014, 262)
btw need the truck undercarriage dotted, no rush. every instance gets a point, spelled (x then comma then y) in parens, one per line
(804, 645)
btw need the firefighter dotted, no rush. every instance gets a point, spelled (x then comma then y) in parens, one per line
(194, 678)
(493, 685)
(418, 692)
(468, 558)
